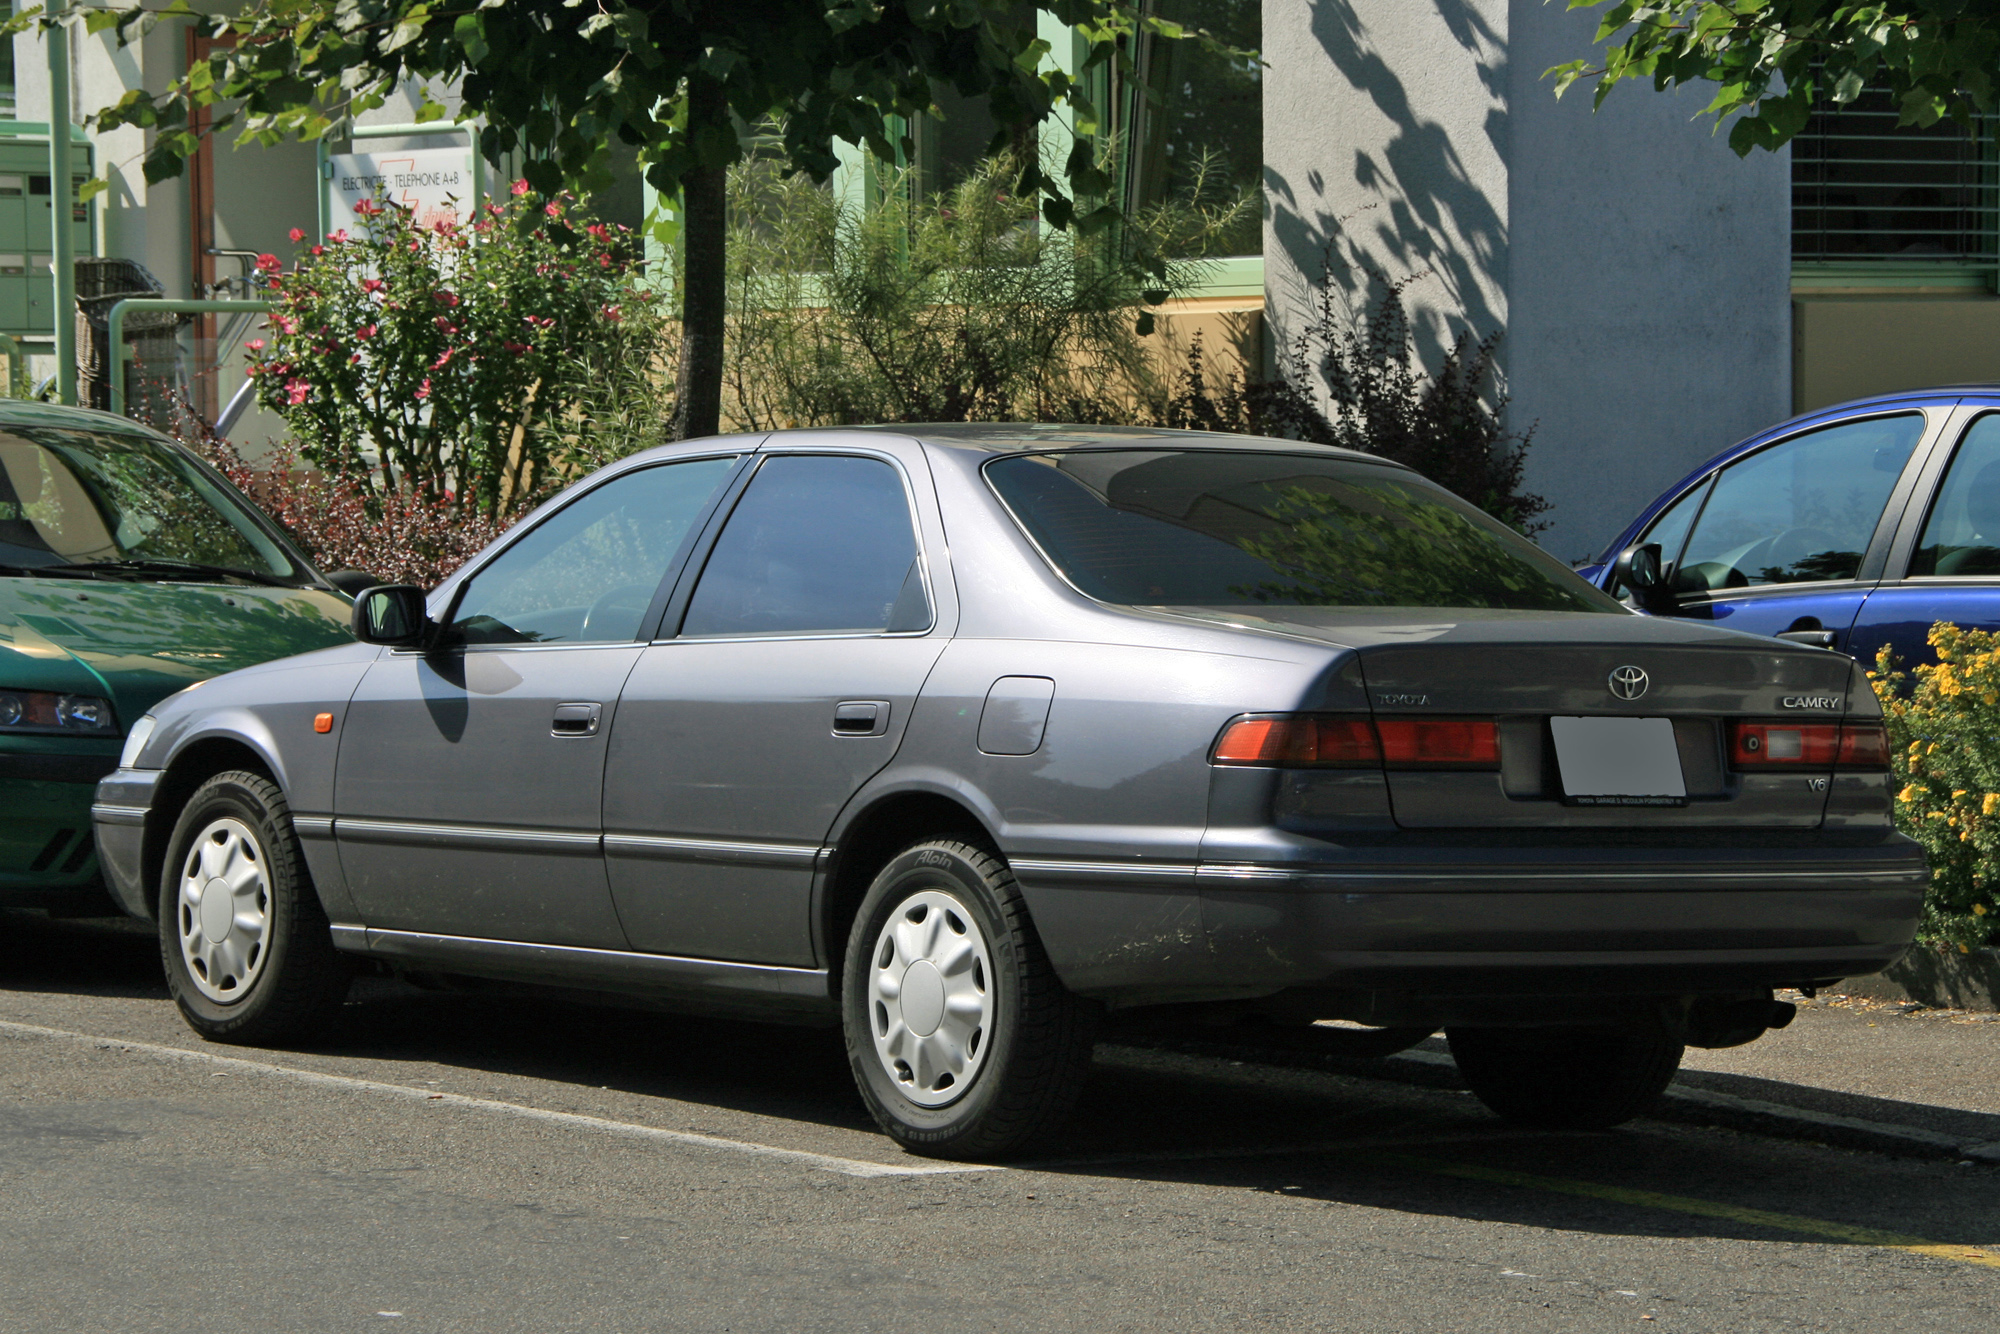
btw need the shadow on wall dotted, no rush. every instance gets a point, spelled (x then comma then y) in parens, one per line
(1416, 206)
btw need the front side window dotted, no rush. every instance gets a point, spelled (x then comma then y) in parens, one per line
(588, 573)
(819, 544)
(1962, 534)
(1172, 527)
(1799, 512)
(84, 498)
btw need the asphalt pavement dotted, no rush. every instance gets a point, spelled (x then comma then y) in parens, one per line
(488, 1163)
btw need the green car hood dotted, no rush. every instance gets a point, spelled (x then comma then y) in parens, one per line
(140, 642)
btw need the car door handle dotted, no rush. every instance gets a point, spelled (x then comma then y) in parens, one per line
(1816, 638)
(576, 720)
(861, 717)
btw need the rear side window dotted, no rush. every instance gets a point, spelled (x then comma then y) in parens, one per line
(1962, 535)
(1801, 511)
(819, 544)
(1235, 528)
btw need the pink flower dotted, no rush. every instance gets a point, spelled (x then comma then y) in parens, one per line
(371, 285)
(444, 322)
(517, 348)
(268, 264)
(598, 230)
(255, 345)
(365, 332)
(286, 324)
(298, 234)
(424, 389)
(367, 208)
(446, 299)
(338, 237)
(612, 313)
(553, 209)
(296, 391)
(319, 250)
(520, 188)
(445, 226)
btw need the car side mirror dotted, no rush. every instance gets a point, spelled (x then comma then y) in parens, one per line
(391, 614)
(1638, 569)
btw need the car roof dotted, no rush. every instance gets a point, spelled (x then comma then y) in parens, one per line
(1016, 437)
(1900, 398)
(29, 412)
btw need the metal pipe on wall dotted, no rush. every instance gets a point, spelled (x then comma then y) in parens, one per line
(61, 210)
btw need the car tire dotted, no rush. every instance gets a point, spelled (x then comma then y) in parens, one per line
(962, 1040)
(256, 965)
(1567, 1078)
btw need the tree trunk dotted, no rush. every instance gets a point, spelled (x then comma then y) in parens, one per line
(704, 287)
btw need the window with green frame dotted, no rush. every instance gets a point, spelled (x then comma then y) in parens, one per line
(1189, 122)
(1185, 121)
(1881, 204)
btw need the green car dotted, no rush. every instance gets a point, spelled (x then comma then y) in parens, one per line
(129, 569)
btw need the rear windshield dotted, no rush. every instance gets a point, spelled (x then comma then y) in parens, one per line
(1214, 528)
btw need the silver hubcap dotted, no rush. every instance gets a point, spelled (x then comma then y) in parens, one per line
(225, 910)
(930, 998)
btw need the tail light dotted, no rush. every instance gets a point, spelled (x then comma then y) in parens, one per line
(1853, 745)
(1300, 741)
(1333, 741)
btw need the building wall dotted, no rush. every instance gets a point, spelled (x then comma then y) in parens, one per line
(1638, 269)
(1651, 285)
(1850, 346)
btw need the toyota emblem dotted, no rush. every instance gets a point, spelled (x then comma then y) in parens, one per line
(1628, 682)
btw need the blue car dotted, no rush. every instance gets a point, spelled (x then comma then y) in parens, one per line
(1852, 527)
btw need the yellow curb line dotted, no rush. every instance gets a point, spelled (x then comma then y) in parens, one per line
(1681, 1204)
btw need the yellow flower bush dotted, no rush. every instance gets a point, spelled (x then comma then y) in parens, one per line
(1944, 744)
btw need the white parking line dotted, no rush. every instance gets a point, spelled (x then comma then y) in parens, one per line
(853, 1167)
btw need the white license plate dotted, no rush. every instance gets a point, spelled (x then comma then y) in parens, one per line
(1619, 761)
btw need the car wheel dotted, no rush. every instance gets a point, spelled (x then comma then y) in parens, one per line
(248, 954)
(1567, 1078)
(961, 1038)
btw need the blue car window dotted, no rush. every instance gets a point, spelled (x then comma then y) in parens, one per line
(1962, 534)
(588, 573)
(1801, 511)
(819, 544)
(1670, 530)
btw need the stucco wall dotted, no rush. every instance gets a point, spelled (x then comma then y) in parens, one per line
(1650, 285)
(1385, 138)
(1639, 269)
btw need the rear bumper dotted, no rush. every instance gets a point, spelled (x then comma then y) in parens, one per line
(1490, 922)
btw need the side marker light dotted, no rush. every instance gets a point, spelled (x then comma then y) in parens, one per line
(322, 722)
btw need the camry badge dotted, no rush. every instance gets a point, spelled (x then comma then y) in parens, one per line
(1628, 682)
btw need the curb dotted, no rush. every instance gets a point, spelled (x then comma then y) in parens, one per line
(1932, 977)
(1680, 1104)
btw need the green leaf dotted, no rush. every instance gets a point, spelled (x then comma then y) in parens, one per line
(470, 34)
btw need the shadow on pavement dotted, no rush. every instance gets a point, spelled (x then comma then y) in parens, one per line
(1337, 1136)
(83, 957)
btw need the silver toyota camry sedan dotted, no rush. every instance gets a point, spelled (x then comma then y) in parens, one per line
(962, 737)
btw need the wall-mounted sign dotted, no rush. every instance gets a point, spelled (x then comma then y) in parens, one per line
(433, 183)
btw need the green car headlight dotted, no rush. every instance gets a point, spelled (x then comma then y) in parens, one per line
(47, 711)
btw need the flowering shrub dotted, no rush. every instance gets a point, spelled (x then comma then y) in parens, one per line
(451, 365)
(1945, 748)
(410, 535)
